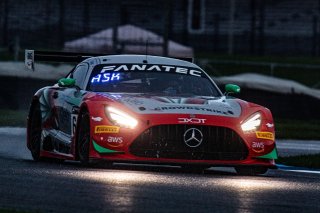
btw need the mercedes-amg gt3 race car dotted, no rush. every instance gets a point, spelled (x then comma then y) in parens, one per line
(147, 109)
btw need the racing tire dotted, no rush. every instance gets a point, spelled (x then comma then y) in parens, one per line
(35, 132)
(83, 139)
(251, 171)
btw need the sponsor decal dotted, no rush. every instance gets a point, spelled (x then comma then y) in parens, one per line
(193, 137)
(202, 109)
(106, 129)
(142, 67)
(133, 101)
(98, 119)
(115, 141)
(74, 118)
(265, 135)
(257, 147)
(105, 77)
(192, 120)
(269, 125)
(116, 96)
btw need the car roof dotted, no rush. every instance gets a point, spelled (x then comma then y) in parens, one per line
(139, 59)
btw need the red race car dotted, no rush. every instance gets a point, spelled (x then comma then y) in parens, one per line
(147, 109)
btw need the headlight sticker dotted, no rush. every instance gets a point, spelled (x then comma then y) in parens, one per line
(265, 135)
(106, 129)
(270, 125)
(97, 119)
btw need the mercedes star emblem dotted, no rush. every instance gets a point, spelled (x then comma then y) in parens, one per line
(193, 137)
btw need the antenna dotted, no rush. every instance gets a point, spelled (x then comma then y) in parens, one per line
(147, 44)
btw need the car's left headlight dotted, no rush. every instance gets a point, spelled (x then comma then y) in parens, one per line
(121, 118)
(252, 123)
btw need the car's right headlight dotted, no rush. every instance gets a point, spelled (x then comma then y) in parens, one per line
(252, 123)
(121, 118)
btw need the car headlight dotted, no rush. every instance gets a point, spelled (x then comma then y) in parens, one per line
(252, 123)
(120, 118)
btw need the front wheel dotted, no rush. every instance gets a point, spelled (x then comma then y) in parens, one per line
(35, 132)
(83, 139)
(250, 171)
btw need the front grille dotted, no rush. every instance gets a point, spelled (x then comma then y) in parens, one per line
(167, 141)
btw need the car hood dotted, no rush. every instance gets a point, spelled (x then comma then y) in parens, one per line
(152, 104)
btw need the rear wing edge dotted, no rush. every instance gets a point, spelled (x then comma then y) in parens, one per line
(50, 56)
(34, 55)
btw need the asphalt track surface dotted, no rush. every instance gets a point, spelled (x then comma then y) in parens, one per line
(31, 186)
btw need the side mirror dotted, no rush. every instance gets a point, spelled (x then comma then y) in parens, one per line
(232, 88)
(66, 82)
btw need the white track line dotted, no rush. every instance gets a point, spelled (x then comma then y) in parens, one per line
(297, 169)
(305, 171)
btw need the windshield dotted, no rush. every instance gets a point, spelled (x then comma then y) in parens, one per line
(151, 79)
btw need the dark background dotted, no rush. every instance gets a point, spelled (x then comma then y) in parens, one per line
(277, 28)
(258, 27)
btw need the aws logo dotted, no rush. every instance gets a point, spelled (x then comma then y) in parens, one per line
(258, 147)
(115, 141)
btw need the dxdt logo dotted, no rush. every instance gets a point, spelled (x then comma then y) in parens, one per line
(192, 120)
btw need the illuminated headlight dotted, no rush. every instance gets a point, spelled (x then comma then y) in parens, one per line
(252, 123)
(120, 118)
